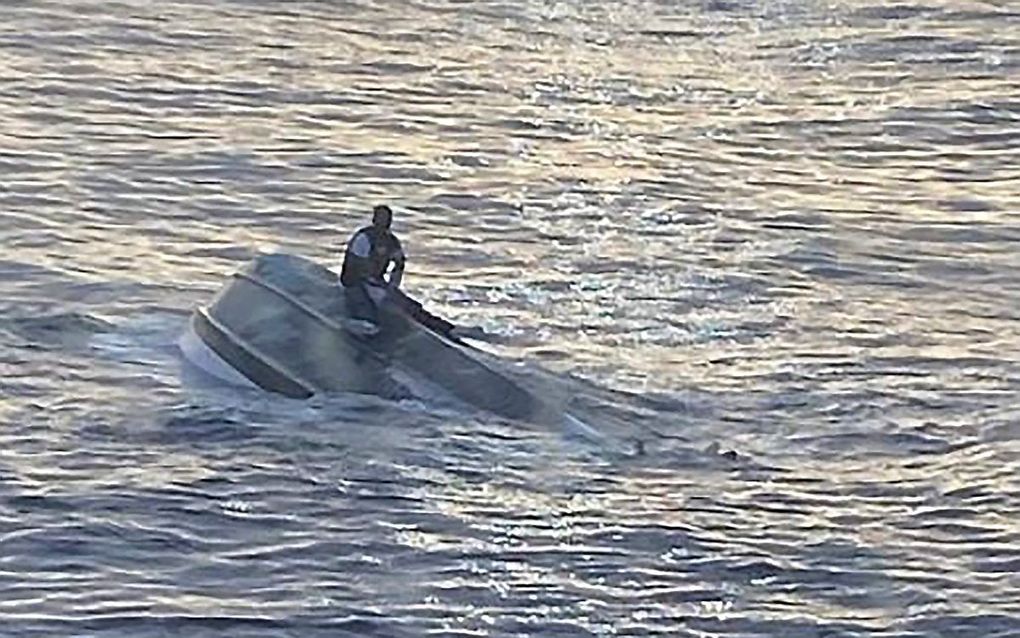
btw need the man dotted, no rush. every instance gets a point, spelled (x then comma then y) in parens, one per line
(368, 279)
(367, 259)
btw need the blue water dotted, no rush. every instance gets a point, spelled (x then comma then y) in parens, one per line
(771, 245)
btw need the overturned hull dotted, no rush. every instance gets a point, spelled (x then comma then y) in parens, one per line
(279, 324)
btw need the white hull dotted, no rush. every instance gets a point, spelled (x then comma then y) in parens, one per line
(205, 359)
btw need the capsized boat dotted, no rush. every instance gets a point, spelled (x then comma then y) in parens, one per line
(280, 324)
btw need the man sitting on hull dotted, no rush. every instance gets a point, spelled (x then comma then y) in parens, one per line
(368, 280)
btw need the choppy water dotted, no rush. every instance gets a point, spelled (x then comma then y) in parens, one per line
(774, 241)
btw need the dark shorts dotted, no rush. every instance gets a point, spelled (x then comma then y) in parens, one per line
(361, 306)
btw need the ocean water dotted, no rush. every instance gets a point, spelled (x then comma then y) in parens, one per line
(771, 248)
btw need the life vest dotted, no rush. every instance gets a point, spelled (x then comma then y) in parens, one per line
(384, 248)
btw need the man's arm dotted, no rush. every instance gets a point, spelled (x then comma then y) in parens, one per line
(359, 251)
(397, 274)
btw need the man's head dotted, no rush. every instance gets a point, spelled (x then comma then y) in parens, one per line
(382, 217)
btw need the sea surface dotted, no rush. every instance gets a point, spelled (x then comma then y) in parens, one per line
(771, 247)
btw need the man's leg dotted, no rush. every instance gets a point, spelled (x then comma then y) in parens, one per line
(417, 311)
(360, 304)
